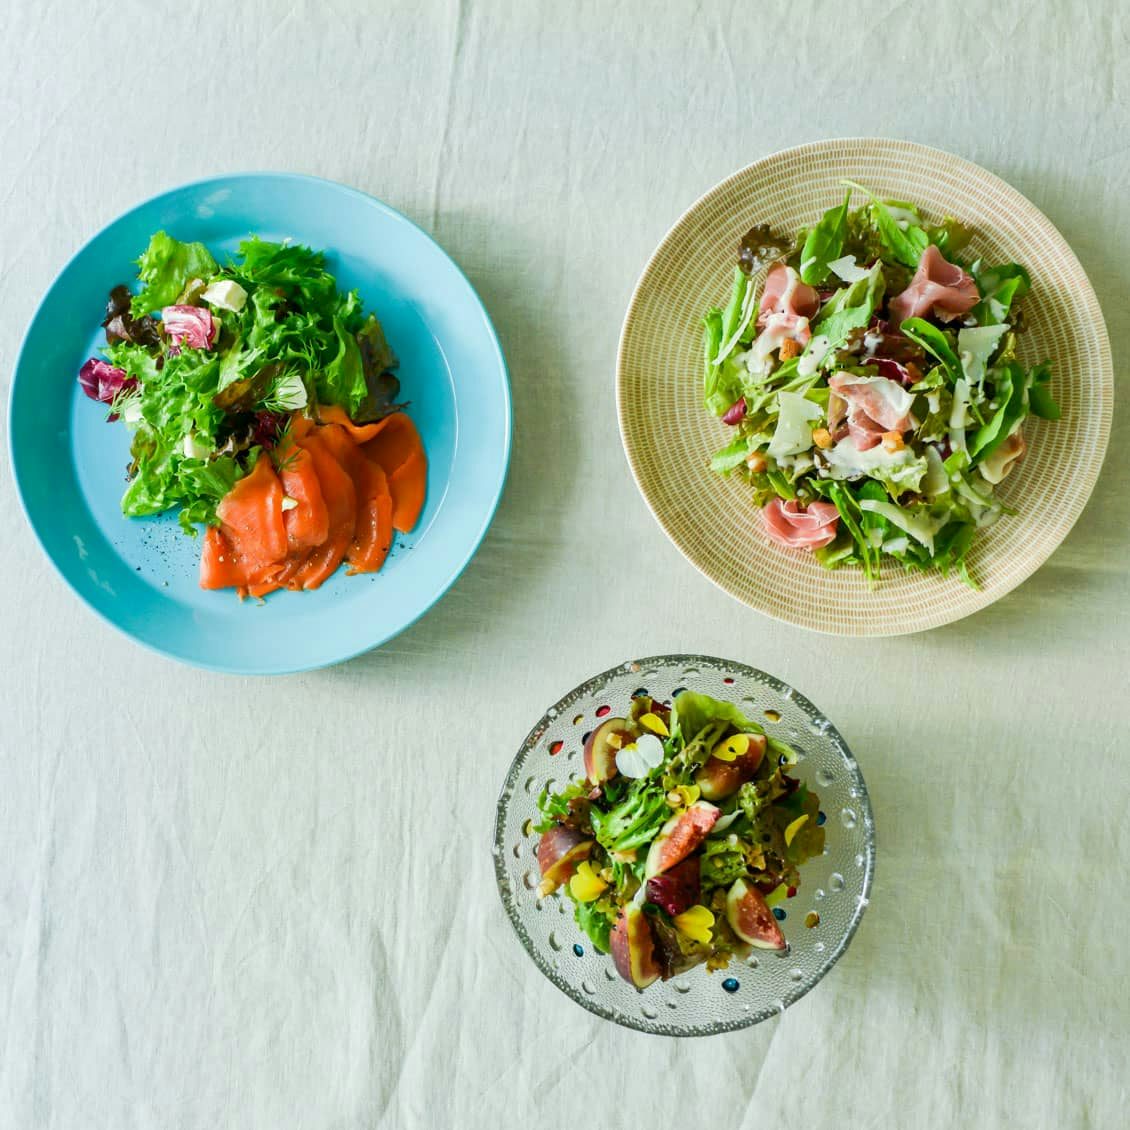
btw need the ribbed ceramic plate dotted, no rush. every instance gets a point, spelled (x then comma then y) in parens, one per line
(669, 437)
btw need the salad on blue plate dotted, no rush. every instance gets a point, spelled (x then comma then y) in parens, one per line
(873, 386)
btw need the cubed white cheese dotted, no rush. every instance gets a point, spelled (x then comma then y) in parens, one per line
(225, 294)
(193, 448)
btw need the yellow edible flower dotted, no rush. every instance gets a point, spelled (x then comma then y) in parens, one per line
(735, 746)
(696, 924)
(794, 827)
(655, 724)
(586, 885)
(683, 796)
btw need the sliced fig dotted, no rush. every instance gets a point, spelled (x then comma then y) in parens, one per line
(680, 836)
(633, 948)
(751, 919)
(560, 849)
(602, 746)
(719, 779)
(678, 889)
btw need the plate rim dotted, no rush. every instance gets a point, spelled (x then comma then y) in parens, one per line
(1104, 363)
(497, 489)
(631, 666)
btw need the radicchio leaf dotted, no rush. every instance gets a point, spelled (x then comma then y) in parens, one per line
(189, 325)
(104, 382)
(121, 325)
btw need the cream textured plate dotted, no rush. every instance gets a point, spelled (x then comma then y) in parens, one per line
(669, 437)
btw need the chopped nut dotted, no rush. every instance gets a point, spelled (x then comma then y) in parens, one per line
(789, 348)
(756, 462)
(822, 437)
(892, 441)
(913, 371)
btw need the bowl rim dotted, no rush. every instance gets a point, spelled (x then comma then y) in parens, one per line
(510, 901)
(1104, 363)
(496, 491)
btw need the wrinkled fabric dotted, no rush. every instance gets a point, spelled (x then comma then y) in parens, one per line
(269, 904)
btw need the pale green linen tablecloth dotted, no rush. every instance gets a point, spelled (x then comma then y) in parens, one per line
(270, 903)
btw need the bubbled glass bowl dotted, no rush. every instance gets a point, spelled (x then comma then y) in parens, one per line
(818, 921)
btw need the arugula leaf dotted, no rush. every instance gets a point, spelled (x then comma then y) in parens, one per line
(935, 342)
(906, 245)
(1040, 399)
(950, 237)
(851, 516)
(824, 243)
(851, 308)
(1008, 391)
(1000, 287)
(164, 268)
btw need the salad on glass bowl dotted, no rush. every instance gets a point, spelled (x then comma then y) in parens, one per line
(684, 845)
(872, 386)
(685, 832)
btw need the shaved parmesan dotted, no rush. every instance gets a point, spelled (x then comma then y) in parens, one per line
(795, 416)
(847, 269)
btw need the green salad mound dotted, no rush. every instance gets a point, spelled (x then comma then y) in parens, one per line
(207, 362)
(873, 386)
(685, 834)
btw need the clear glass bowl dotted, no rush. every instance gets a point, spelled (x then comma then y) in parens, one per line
(819, 920)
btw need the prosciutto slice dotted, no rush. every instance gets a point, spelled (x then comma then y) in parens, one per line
(784, 293)
(938, 287)
(875, 405)
(797, 527)
(996, 466)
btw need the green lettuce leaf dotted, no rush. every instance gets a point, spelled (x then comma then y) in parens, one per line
(165, 267)
(692, 712)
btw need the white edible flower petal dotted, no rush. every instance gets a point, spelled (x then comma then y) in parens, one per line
(629, 763)
(650, 749)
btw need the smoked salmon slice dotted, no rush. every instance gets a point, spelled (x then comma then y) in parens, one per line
(346, 489)
(398, 451)
(250, 543)
(308, 523)
(359, 433)
(341, 502)
(373, 533)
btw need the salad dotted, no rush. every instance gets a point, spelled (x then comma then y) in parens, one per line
(262, 404)
(873, 386)
(682, 838)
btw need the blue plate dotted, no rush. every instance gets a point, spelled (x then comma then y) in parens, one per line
(141, 575)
